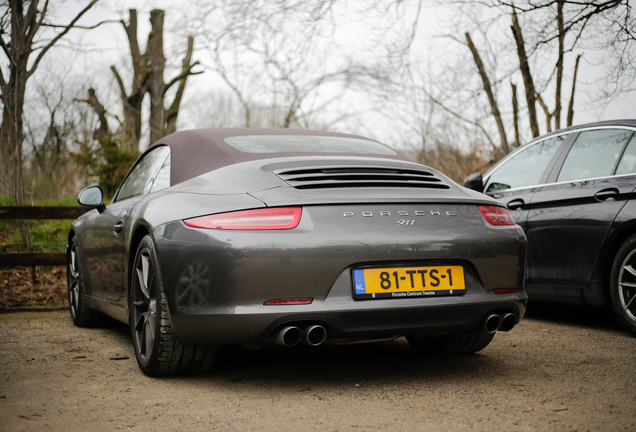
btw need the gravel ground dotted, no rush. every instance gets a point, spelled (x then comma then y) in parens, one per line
(560, 369)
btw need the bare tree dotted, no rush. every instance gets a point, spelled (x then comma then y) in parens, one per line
(148, 79)
(163, 121)
(21, 26)
(579, 22)
(286, 55)
(545, 35)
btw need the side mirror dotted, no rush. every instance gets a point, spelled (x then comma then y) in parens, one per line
(92, 196)
(474, 182)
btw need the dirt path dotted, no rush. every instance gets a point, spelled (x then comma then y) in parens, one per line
(576, 373)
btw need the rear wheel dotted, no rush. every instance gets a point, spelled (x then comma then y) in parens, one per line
(452, 344)
(623, 285)
(80, 313)
(156, 347)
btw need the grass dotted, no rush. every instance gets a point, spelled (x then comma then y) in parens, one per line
(47, 235)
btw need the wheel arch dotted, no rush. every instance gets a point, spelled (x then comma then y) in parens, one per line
(617, 240)
(69, 239)
(139, 232)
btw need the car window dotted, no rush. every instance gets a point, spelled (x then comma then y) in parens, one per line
(306, 144)
(140, 179)
(163, 177)
(593, 155)
(628, 161)
(526, 167)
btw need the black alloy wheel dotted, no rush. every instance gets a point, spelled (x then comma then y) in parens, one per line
(81, 315)
(156, 347)
(144, 306)
(623, 285)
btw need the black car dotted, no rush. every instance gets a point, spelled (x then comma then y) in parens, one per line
(264, 236)
(573, 193)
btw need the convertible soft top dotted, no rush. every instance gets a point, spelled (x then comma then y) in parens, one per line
(198, 151)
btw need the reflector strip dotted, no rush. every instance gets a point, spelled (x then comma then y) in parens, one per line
(505, 290)
(496, 215)
(298, 301)
(280, 218)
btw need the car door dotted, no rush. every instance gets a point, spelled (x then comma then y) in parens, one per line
(569, 218)
(513, 181)
(104, 240)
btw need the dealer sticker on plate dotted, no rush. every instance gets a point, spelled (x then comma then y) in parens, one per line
(403, 282)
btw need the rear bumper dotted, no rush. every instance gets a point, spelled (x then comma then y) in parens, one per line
(345, 318)
(216, 282)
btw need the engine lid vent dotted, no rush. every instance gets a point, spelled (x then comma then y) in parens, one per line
(349, 177)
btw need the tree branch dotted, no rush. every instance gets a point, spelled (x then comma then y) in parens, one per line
(494, 109)
(81, 27)
(5, 48)
(131, 32)
(120, 82)
(182, 75)
(31, 21)
(58, 37)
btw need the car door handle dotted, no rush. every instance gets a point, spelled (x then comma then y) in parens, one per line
(515, 204)
(119, 228)
(607, 194)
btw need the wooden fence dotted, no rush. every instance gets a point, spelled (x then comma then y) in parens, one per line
(36, 259)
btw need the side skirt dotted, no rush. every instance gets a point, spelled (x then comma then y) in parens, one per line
(114, 309)
(591, 294)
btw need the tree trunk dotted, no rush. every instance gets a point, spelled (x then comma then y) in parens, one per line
(494, 109)
(515, 114)
(524, 67)
(571, 105)
(559, 76)
(164, 121)
(132, 101)
(157, 64)
(546, 110)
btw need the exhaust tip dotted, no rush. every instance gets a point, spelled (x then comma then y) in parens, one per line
(289, 336)
(508, 322)
(492, 323)
(315, 335)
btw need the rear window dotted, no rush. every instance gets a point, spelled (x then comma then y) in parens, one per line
(306, 144)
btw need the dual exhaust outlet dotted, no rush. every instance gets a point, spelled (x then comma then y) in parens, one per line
(503, 322)
(290, 336)
(315, 335)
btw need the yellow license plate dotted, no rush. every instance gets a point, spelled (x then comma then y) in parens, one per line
(401, 282)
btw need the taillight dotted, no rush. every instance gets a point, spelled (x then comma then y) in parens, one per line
(279, 218)
(496, 215)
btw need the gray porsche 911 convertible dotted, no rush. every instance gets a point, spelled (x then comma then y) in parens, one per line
(284, 237)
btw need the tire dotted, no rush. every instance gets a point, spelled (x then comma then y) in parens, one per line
(156, 347)
(623, 285)
(81, 314)
(453, 344)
